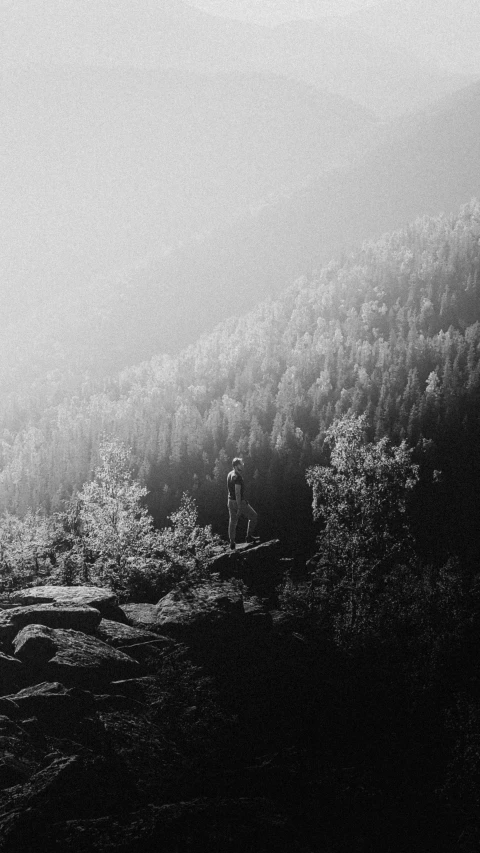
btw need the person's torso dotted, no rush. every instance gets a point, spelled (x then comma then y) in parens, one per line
(233, 480)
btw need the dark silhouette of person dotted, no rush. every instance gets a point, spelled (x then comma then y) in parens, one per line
(237, 505)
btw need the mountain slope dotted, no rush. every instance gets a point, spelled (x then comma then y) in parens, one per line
(173, 300)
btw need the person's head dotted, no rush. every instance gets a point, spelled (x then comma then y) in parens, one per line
(237, 463)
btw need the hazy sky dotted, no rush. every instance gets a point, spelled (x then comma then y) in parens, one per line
(143, 143)
(273, 12)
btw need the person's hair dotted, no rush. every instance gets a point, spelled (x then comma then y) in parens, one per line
(236, 461)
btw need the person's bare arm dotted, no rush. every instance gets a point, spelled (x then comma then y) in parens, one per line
(238, 496)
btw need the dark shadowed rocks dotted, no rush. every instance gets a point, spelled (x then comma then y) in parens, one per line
(129, 737)
(219, 825)
(101, 599)
(52, 615)
(67, 787)
(49, 702)
(258, 566)
(257, 616)
(8, 708)
(11, 670)
(19, 755)
(71, 656)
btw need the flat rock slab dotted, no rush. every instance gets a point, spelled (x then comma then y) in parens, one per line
(101, 599)
(117, 635)
(71, 656)
(52, 615)
(257, 565)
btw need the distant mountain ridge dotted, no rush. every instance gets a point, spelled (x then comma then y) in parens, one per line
(274, 12)
(352, 57)
(170, 302)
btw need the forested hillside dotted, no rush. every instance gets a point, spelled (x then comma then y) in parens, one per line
(392, 331)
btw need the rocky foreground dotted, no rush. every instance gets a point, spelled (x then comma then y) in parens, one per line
(149, 726)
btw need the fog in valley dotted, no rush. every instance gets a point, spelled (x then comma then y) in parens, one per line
(166, 165)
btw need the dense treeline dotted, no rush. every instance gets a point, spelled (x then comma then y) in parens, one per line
(391, 331)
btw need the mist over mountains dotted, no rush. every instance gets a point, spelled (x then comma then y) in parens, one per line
(390, 57)
(274, 12)
(163, 168)
(109, 166)
(425, 165)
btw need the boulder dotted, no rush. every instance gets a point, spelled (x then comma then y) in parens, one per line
(53, 615)
(144, 646)
(142, 616)
(35, 644)
(258, 566)
(208, 609)
(72, 657)
(101, 599)
(116, 634)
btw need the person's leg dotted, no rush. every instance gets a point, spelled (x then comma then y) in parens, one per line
(252, 519)
(232, 521)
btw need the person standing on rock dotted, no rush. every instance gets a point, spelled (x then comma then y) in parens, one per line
(237, 505)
